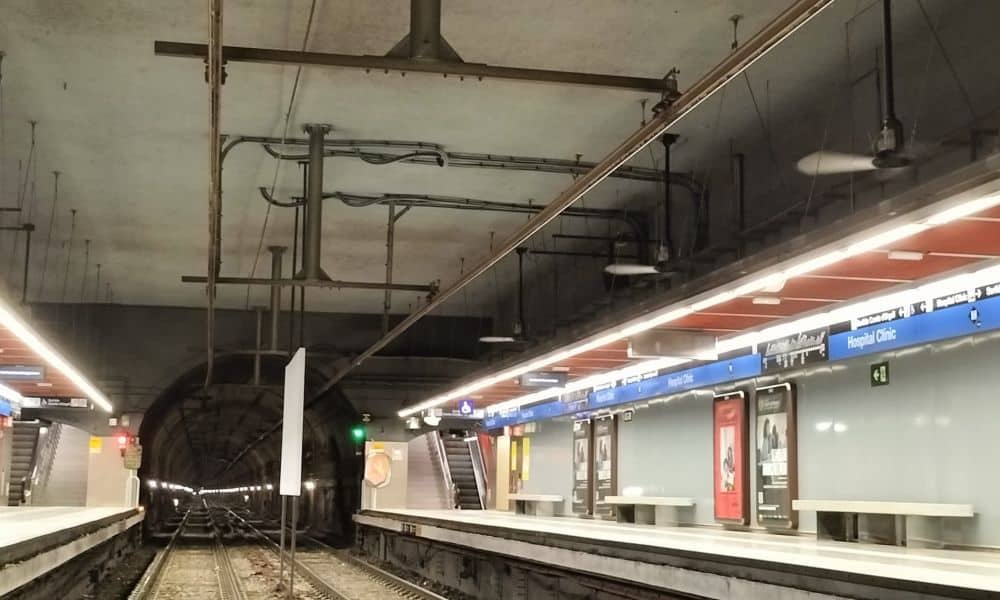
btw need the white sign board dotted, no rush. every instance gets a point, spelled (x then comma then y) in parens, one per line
(291, 425)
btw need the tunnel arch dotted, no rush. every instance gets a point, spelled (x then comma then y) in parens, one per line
(192, 435)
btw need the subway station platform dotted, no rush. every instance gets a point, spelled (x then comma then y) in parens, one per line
(36, 540)
(705, 562)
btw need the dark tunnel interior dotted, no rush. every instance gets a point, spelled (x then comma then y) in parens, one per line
(223, 436)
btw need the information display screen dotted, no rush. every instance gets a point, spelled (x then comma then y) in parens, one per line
(775, 439)
(582, 494)
(731, 490)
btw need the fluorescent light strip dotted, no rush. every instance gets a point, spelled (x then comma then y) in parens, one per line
(23, 332)
(950, 285)
(11, 394)
(755, 283)
(590, 381)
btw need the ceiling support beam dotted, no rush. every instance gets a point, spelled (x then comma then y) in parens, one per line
(430, 288)
(738, 61)
(386, 64)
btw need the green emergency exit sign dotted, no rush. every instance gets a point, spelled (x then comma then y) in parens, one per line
(880, 374)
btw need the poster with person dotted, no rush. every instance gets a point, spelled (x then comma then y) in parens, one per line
(777, 481)
(730, 448)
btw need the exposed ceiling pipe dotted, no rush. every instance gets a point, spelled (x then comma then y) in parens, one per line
(734, 64)
(311, 268)
(429, 154)
(215, 166)
(459, 203)
(276, 254)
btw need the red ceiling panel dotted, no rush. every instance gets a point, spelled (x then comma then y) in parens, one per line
(960, 237)
(877, 265)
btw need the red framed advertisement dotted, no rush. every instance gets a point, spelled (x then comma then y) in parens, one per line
(730, 482)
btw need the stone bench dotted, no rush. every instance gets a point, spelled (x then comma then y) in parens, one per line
(897, 523)
(537, 504)
(642, 509)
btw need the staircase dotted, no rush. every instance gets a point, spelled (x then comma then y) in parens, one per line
(22, 458)
(462, 473)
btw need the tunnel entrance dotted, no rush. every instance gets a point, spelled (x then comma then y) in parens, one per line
(224, 436)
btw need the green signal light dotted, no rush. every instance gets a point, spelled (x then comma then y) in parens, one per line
(358, 433)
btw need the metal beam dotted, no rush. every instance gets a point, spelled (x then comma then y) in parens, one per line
(387, 63)
(734, 64)
(213, 57)
(276, 253)
(315, 283)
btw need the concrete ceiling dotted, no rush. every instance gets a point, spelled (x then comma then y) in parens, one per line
(128, 130)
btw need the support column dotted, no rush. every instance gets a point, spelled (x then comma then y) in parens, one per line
(276, 254)
(314, 205)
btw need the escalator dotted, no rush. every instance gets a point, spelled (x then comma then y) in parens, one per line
(22, 458)
(463, 473)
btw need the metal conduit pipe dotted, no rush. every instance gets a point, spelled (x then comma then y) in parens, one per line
(459, 203)
(734, 64)
(276, 254)
(430, 154)
(311, 268)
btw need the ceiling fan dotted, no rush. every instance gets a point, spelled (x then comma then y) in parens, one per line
(519, 334)
(888, 152)
(664, 252)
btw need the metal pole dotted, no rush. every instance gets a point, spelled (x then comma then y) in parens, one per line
(257, 348)
(291, 560)
(389, 242)
(281, 540)
(28, 228)
(276, 254)
(215, 165)
(735, 63)
(425, 29)
(888, 92)
(314, 205)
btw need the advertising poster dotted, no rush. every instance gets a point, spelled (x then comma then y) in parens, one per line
(605, 464)
(731, 490)
(775, 441)
(582, 495)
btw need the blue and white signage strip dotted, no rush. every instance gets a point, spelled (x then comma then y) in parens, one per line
(743, 367)
(954, 321)
(722, 371)
(6, 409)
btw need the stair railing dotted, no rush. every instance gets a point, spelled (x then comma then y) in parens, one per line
(451, 490)
(478, 469)
(41, 460)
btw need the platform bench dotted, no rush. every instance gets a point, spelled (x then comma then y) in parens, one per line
(537, 504)
(895, 523)
(642, 509)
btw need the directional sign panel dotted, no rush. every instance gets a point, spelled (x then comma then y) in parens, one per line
(291, 425)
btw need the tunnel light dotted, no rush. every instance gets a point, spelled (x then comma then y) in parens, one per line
(10, 320)
(775, 280)
(152, 483)
(309, 484)
(176, 502)
(268, 487)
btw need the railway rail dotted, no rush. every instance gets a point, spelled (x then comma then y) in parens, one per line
(198, 563)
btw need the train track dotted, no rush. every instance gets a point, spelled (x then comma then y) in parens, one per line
(337, 575)
(179, 572)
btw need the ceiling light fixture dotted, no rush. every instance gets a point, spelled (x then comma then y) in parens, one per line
(854, 245)
(11, 394)
(767, 300)
(905, 255)
(10, 320)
